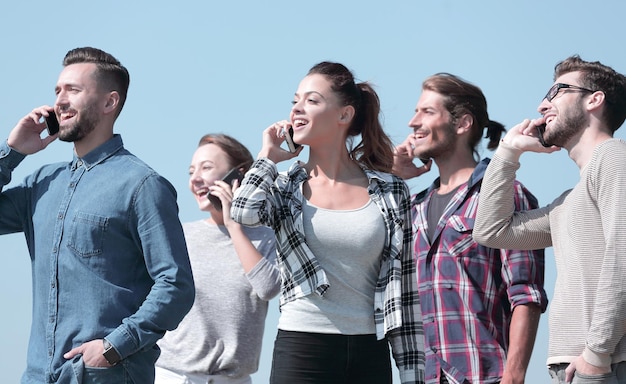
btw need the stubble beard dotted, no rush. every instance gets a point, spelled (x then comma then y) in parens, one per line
(85, 123)
(443, 147)
(570, 123)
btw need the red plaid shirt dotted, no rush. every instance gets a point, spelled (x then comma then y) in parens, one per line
(467, 291)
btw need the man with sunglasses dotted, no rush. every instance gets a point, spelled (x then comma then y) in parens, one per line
(586, 225)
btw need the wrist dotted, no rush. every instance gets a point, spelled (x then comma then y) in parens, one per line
(508, 151)
(110, 354)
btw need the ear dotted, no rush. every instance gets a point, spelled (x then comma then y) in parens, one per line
(347, 113)
(464, 124)
(112, 102)
(597, 100)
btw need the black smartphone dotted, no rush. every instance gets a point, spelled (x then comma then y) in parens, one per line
(52, 124)
(541, 129)
(293, 146)
(232, 175)
(424, 161)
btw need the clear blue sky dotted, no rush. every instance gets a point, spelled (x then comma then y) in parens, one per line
(233, 66)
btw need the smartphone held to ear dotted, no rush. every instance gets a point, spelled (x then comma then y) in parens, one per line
(540, 130)
(293, 146)
(232, 175)
(52, 124)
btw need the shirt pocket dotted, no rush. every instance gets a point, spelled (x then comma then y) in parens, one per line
(458, 237)
(86, 236)
(471, 258)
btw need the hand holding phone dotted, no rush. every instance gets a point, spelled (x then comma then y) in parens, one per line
(232, 175)
(52, 124)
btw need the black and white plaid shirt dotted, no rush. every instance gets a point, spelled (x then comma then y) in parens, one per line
(274, 199)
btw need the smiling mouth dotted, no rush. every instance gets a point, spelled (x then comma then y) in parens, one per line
(66, 116)
(201, 192)
(300, 122)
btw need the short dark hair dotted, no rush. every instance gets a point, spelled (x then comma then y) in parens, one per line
(599, 77)
(110, 73)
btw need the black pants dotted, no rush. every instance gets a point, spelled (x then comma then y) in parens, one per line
(316, 358)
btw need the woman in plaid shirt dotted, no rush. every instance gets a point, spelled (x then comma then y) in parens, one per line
(343, 231)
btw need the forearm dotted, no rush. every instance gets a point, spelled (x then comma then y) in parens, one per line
(522, 333)
(496, 205)
(248, 255)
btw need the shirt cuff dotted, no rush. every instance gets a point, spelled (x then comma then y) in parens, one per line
(9, 155)
(597, 359)
(508, 152)
(411, 376)
(122, 342)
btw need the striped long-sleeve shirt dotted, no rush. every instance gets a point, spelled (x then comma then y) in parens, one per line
(587, 227)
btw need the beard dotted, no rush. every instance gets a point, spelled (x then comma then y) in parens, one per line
(571, 122)
(445, 144)
(84, 124)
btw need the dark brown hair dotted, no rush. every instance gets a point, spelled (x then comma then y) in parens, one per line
(599, 77)
(375, 149)
(111, 75)
(239, 156)
(460, 98)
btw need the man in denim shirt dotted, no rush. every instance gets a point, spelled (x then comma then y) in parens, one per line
(110, 267)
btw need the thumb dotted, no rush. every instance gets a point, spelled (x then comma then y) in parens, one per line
(73, 352)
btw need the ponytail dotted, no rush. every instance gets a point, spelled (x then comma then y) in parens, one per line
(494, 132)
(375, 149)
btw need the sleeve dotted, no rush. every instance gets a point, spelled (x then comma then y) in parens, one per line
(407, 342)
(251, 205)
(265, 276)
(608, 322)
(11, 200)
(497, 224)
(523, 271)
(160, 237)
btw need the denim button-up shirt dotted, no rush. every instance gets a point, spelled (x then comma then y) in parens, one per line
(108, 256)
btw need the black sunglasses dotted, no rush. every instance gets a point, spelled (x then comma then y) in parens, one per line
(554, 90)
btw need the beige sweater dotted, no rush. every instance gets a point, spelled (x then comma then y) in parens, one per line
(587, 227)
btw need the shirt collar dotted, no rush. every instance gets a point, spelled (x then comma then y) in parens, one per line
(474, 180)
(98, 154)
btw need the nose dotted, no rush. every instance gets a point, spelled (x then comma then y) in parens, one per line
(415, 121)
(544, 106)
(297, 106)
(61, 101)
(194, 177)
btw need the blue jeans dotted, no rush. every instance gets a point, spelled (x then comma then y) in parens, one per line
(315, 358)
(617, 375)
(116, 374)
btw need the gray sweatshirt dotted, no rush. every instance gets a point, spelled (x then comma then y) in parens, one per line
(223, 332)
